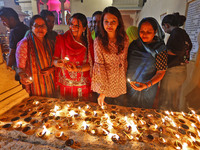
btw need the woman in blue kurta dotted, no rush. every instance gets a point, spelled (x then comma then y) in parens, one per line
(147, 62)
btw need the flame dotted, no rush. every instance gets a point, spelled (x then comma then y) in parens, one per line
(172, 113)
(72, 113)
(105, 131)
(66, 58)
(163, 120)
(87, 106)
(110, 125)
(106, 115)
(193, 112)
(193, 139)
(133, 126)
(102, 107)
(193, 125)
(183, 113)
(93, 131)
(132, 115)
(95, 113)
(85, 125)
(56, 108)
(79, 107)
(185, 145)
(178, 136)
(44, 131)
(198, 133)
(30, 78)
(167, 112)
(128, 80)
(156, 126)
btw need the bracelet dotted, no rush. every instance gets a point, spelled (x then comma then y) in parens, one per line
(146, 85)
(151, 82)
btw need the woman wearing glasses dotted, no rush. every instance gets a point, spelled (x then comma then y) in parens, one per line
(73, 58)
(34, 60)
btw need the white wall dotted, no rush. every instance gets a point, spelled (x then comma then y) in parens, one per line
(88, 7)
(155, 8)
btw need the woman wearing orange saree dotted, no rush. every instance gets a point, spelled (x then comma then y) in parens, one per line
(34, 60)
(73, 58)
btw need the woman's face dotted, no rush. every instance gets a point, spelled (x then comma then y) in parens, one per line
(147, 32)
(39, 28)
(166, 28)
(110, 23)
(76, 27)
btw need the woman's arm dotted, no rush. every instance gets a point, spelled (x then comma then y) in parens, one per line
(155, 79)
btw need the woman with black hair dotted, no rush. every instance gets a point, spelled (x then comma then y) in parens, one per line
(110, 53)
(178, 47)
(73, 58)
(147, 63)
(34, 60)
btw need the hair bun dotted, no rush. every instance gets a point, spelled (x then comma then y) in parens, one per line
(180, 19)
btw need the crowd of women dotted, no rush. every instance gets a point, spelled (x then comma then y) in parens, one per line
(111, 68)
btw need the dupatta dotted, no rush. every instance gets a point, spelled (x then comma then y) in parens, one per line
(39, 57)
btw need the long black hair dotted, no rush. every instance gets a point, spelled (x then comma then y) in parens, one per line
(175, 20)
(120, 32)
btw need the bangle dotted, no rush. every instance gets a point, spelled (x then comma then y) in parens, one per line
(151, 82)
(146, 84)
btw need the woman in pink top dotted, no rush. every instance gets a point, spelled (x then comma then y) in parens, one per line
(110, 54)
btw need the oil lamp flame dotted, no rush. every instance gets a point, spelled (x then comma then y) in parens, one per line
(106, 132)
(44, 131)
(30, 78)
(132, 115)
(133, 126)
(163, 120)
(198, 133)
(193, 112)
(66, 58)
(79, 107)
(56, 108)
(167, 112)
(72, 113)
(185, 145)
(178, 136)
(95, 113)
(193, 125)
(128, 80)
(183, 113)
(93, 131)
(193, 139)
(85, 126)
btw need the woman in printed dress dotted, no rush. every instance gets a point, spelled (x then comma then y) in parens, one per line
(110, 54)
(34, 60)
(73, 58)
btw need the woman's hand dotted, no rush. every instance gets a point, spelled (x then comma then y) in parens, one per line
(59, 63)
(101, 99)
(138, 86)
(25, 79)
(70, 66)
(47, 71)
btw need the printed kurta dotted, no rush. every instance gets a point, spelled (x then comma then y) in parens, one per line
(109, 72)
